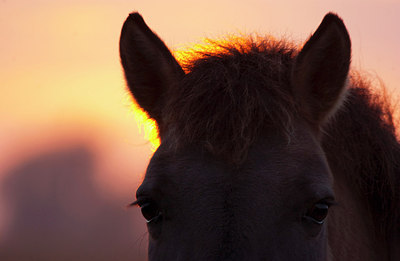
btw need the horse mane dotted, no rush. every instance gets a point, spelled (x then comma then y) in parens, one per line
(361, 142)
(235, 90)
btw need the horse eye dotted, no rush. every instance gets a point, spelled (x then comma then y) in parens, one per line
(317, 213)
(150, 211)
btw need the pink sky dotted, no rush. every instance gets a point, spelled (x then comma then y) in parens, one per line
(61, 81)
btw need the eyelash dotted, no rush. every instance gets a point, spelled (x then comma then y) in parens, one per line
(138, 202)
(133, 204)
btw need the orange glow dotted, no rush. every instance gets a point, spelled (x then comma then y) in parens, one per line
(148, 125)
(188, 52)
(241, 41)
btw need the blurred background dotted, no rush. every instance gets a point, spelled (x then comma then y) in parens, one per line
(71, 151)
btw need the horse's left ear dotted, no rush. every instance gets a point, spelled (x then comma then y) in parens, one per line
(150, 68)
(320, 71)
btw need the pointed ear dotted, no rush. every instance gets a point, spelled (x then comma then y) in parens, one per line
(320, 71)
(150, 68)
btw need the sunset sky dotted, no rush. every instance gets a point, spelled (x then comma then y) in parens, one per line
(62, 84)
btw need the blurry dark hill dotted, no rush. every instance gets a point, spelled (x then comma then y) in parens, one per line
(59, 214)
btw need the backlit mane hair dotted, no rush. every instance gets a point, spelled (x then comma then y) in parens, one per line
(233, 90)
(361, 141)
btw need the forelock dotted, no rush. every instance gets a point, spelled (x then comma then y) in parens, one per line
(234, 90)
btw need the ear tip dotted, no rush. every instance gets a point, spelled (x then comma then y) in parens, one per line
(332, 18)
(133, 19)
(132, 23)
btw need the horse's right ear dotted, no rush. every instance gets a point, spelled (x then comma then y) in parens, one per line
(320, 71)
(150, 68)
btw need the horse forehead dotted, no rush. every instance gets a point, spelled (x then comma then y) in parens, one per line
(269, 162)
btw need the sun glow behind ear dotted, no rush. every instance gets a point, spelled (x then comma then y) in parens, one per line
(148, 125)
(185, 55)
(145, 123)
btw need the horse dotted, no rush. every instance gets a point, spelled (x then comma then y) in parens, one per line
(269, 150)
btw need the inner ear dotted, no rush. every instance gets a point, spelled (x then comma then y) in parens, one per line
(150, 68)
(320, 71)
